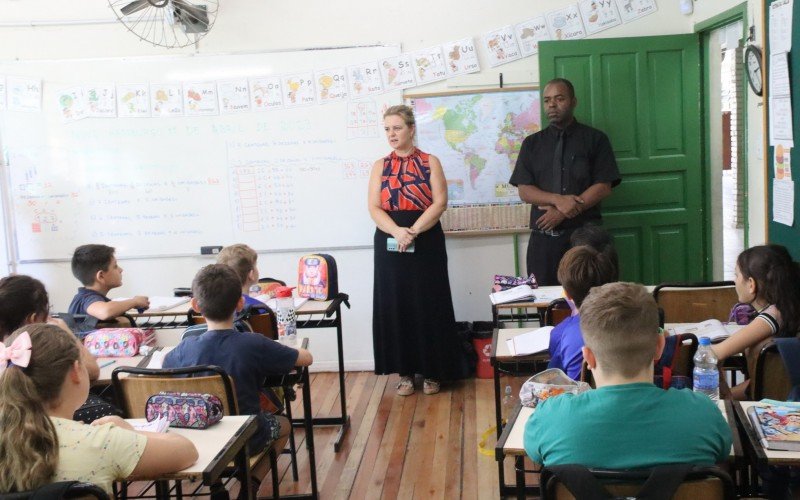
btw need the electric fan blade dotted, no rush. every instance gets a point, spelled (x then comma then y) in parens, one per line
(193, 17)
(134, 6)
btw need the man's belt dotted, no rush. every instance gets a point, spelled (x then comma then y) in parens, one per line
(550, 232)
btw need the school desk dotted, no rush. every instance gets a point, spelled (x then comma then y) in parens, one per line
(107, 365)
(510, 444)
(760, 455)
(217, 447)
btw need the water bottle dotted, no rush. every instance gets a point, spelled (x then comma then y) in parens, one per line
(287, 319)
(509, 401)
(706, 375)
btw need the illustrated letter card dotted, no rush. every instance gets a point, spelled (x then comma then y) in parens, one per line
(266, 93)
(24, 94)
(298, 89)
(234, 96)
(71, 104)
(200, 99)
(501, 46)
(429, 65)
(364, 80)
(133, 100)
(166, 99)
(331, 84)
(101, 100)
(397, 73)
(565, 24)
(461, 57)
(599, 15)
(530, 33)
(634, 9)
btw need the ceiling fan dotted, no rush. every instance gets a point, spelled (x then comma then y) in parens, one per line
(167, 23)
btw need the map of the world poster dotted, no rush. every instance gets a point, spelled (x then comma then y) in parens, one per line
(477, 137)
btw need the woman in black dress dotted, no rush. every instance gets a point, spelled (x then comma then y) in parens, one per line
(413, 324)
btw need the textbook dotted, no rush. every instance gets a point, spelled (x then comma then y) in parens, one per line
(777, 425)
(517, 293)
(532, 342)
(158, 304)
(711, 328)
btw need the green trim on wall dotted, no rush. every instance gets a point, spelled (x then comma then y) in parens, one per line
(723, 19)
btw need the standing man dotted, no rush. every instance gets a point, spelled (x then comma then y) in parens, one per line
(563, 171)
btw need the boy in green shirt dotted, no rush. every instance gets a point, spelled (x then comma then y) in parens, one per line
(627, 422)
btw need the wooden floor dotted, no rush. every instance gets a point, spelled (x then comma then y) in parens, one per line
(439, 446)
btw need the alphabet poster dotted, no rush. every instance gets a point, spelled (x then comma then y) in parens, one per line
(634, 9)
(364, 79)
(266, 93)
(530, 33)
(599, 15)
(71, 104)
(565, 24)
(233, 96)
(24, 94)
(501, 46)
(200, 99)
(461, 57)
(165, 99)
(298, 89)
(331, 84)
(101, 100)
(397, 72)
(429, 65)
(133, 100)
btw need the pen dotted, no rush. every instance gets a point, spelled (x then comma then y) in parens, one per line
(108, 363)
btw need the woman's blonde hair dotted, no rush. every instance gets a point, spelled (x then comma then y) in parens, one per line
(404, 112)
(28, 440)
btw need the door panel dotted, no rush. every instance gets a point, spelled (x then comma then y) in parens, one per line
(645, 94)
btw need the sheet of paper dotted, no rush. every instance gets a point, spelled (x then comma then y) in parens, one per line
(782, 162)
(780, 25)
(783, 201)
(548, 294)
(273, 302)
(779, 85)
(160, 424)
(156, 360)
(531, 342)
(781, 130)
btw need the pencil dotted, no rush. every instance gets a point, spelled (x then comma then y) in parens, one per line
(108, 363)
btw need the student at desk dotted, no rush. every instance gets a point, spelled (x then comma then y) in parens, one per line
(96, 267)
(627, 422)
(247, 357)
(43, 380)
(243, 260)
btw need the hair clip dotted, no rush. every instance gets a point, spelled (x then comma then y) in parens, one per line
(18, 353)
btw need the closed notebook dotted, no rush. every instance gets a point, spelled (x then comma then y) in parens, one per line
(778, 426)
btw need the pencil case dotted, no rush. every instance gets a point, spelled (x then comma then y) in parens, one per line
(190, 410)
(116, 342)
(547, 384)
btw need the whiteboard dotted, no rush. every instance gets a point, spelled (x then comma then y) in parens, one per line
(289, 178)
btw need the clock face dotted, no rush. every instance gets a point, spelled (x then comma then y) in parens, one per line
(752, 61)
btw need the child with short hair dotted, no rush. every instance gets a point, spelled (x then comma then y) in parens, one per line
(97, 269)
(627, 422)
(247, 357)
(43, 380)
(243, 260)
(581, 268)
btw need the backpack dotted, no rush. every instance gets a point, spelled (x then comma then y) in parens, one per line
(665, 366)
(317, 277)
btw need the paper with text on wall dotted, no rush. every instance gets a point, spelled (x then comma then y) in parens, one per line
(532, 342)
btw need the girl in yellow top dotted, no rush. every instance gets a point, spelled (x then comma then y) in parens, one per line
(43, 380)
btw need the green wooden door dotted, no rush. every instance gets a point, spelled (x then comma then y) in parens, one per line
(645, 94)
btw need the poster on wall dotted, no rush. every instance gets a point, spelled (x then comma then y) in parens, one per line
(461, 57)
(530, 33)
(166, 100)
(634, 9)
(501, 46)
(780, 26)
(783, 201)
(133, 100)
(429, 65)
(101, 100)
(71, 104)
(24, 94)
(397, 72)
(599, 15)
(565, 24)
(331, 84)
(200, 99)
(233, 96)
(364, 79)
(783, 162)
(266, 93)
(298, 89)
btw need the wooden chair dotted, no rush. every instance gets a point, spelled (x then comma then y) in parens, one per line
(708, 483)
(769, 376)
(132, 393)
(695, 302)
(62, 490)
(556, 312)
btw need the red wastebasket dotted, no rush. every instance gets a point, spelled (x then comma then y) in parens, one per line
(483, 347)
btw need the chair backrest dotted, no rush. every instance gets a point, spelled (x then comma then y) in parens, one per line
(556, 312)
(708, 483)
(61, 490)
(770, 378)
(133, 390)
(265, 323)
(694, 302)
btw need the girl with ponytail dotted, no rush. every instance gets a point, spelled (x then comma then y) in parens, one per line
(43, 380)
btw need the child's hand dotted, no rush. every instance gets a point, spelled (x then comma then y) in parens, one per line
(113, 420)
(141, 302)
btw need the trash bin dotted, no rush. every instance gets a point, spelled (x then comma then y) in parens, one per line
(482, 343)
(464, 331)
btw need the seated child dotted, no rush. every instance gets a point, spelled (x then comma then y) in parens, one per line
(247, 357)
(243, 260)
(40, 388)
(599, 239)
(580, 269)
(96, 267)
(768, 279)
(627, 422)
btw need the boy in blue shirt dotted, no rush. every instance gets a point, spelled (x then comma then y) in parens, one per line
(243, 260)
(580, 269)
(627, 422)
(96, 267)
(247, 357)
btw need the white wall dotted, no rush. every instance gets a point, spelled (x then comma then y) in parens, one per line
(259, 25)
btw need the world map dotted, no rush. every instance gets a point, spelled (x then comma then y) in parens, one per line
(477, 137)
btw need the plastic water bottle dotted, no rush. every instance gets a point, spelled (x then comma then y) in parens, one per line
(706, 375)
(509, 401)
(287, 319)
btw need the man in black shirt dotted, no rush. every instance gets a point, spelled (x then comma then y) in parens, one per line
(563, 171)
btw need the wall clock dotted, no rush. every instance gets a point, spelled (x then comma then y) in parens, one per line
(753, 63)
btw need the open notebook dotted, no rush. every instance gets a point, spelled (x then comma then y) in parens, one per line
(711, 328)
(532, 342)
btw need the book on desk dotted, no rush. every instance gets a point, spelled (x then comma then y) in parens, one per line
(777, 424)
(532, 342)
(711, 328)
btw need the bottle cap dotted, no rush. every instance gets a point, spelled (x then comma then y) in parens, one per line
(284, 291)
(705, 341)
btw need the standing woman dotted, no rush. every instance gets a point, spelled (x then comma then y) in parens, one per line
(413, 324)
